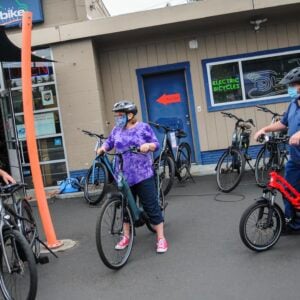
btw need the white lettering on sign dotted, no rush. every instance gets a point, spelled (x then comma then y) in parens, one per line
(11, 14)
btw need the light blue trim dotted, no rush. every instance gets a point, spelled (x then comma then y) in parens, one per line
(167, 68)
(246, 103)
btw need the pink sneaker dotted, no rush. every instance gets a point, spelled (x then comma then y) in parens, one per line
(162, 246)
(124, 242)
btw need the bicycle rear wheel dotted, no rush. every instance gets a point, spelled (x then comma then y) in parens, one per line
(21, 282)
(29, 228)
(166, 170)
(230, 169)
(96, 183)
(183, 161)
(109, 231)
(261, 225)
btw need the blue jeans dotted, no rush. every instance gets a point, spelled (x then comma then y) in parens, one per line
(292, 175)
(146, 191)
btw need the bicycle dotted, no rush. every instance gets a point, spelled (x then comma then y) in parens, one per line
(98, 176)
(117, 208)
(272, 155)
(18, 272)
(262, 223)
(231, 165)
(22, 219)
(179, 165)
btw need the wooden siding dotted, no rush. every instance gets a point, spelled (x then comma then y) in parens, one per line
(118, 67)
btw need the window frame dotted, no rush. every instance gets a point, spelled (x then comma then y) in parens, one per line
(206, 63)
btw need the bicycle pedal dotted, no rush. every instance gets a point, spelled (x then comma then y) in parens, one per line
(43, 260)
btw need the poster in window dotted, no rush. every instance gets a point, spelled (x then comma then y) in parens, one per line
(225, 82)
(47, 97)
(262, 76)
(44, 125)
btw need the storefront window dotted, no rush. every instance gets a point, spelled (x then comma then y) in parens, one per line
(48, 131)
(246, 79)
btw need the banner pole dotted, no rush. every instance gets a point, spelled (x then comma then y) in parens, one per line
(49, 231)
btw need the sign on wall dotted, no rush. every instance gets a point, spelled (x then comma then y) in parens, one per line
(11, 10)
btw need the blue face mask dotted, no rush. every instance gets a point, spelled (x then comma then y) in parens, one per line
(293, 92)
(121, 121)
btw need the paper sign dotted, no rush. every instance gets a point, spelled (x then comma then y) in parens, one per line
(173, 140)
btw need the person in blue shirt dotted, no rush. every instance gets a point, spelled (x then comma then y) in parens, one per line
(290, 120)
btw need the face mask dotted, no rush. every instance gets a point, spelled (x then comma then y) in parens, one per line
(121, 121)
(293, 92)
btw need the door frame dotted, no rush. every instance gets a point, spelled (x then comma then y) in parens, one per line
(182, 66)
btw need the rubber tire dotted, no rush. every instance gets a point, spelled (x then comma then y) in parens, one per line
(244, 219)
(88, 198)
(259, 157)
(98, 235)
(222, 158)
(25, 252)
(178, 162)
(167, 160)
(25, 207)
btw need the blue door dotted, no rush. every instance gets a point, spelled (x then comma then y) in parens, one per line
(167, 102)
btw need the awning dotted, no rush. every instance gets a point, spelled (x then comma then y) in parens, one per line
(9, 52)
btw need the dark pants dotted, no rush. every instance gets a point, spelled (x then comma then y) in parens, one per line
(147, 193)
(292, 175)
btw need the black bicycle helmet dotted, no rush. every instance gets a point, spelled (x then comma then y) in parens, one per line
(291, 77)
(125, 106)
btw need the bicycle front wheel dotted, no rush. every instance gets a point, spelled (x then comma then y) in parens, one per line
(29, 228)
(261, 225)
(183, 162)
(18, 275)
(166, 171)
(230, 170)
(96, 183)
(265, 162)
(109, 231)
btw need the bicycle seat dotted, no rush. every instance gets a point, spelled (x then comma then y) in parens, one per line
(181, 134)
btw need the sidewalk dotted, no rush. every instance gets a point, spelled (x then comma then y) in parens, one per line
(206, 258)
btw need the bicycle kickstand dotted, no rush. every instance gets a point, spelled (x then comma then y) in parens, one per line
(46, 247)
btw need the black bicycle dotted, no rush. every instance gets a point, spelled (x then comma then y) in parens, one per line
(273, 154)
(178, 164)
(18, 272)
(98, 177)
(231, 165)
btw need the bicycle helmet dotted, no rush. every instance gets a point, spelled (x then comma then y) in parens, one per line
(125, 106)
(291, 77)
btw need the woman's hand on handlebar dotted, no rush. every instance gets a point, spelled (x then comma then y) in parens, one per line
(100, 151)
(145, 148)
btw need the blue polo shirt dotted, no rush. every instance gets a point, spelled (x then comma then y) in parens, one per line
(291, 119)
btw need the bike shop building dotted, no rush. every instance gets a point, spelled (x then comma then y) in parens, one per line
(181, 65)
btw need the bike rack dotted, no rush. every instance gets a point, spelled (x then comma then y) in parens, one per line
(279, 183)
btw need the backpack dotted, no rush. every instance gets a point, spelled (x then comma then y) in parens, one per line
(69, 185)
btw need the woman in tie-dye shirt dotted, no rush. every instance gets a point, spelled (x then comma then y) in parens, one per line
(137, 169)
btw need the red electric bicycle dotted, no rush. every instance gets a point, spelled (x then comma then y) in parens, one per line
(262, 223)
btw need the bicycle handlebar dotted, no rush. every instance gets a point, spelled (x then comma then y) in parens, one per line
(11, 188)
(156, 125)
(265, 138)
(239, 120)
(267, 110)
(92, 134)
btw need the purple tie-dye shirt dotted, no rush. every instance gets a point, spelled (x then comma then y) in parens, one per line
(136, 167)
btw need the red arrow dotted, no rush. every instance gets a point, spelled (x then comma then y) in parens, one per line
(169, 99)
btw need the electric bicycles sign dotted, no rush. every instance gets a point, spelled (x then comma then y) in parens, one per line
(12, 10)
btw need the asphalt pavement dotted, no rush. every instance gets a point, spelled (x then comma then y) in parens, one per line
(206, 258)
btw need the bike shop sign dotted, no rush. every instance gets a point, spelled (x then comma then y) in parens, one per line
(12, 10)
